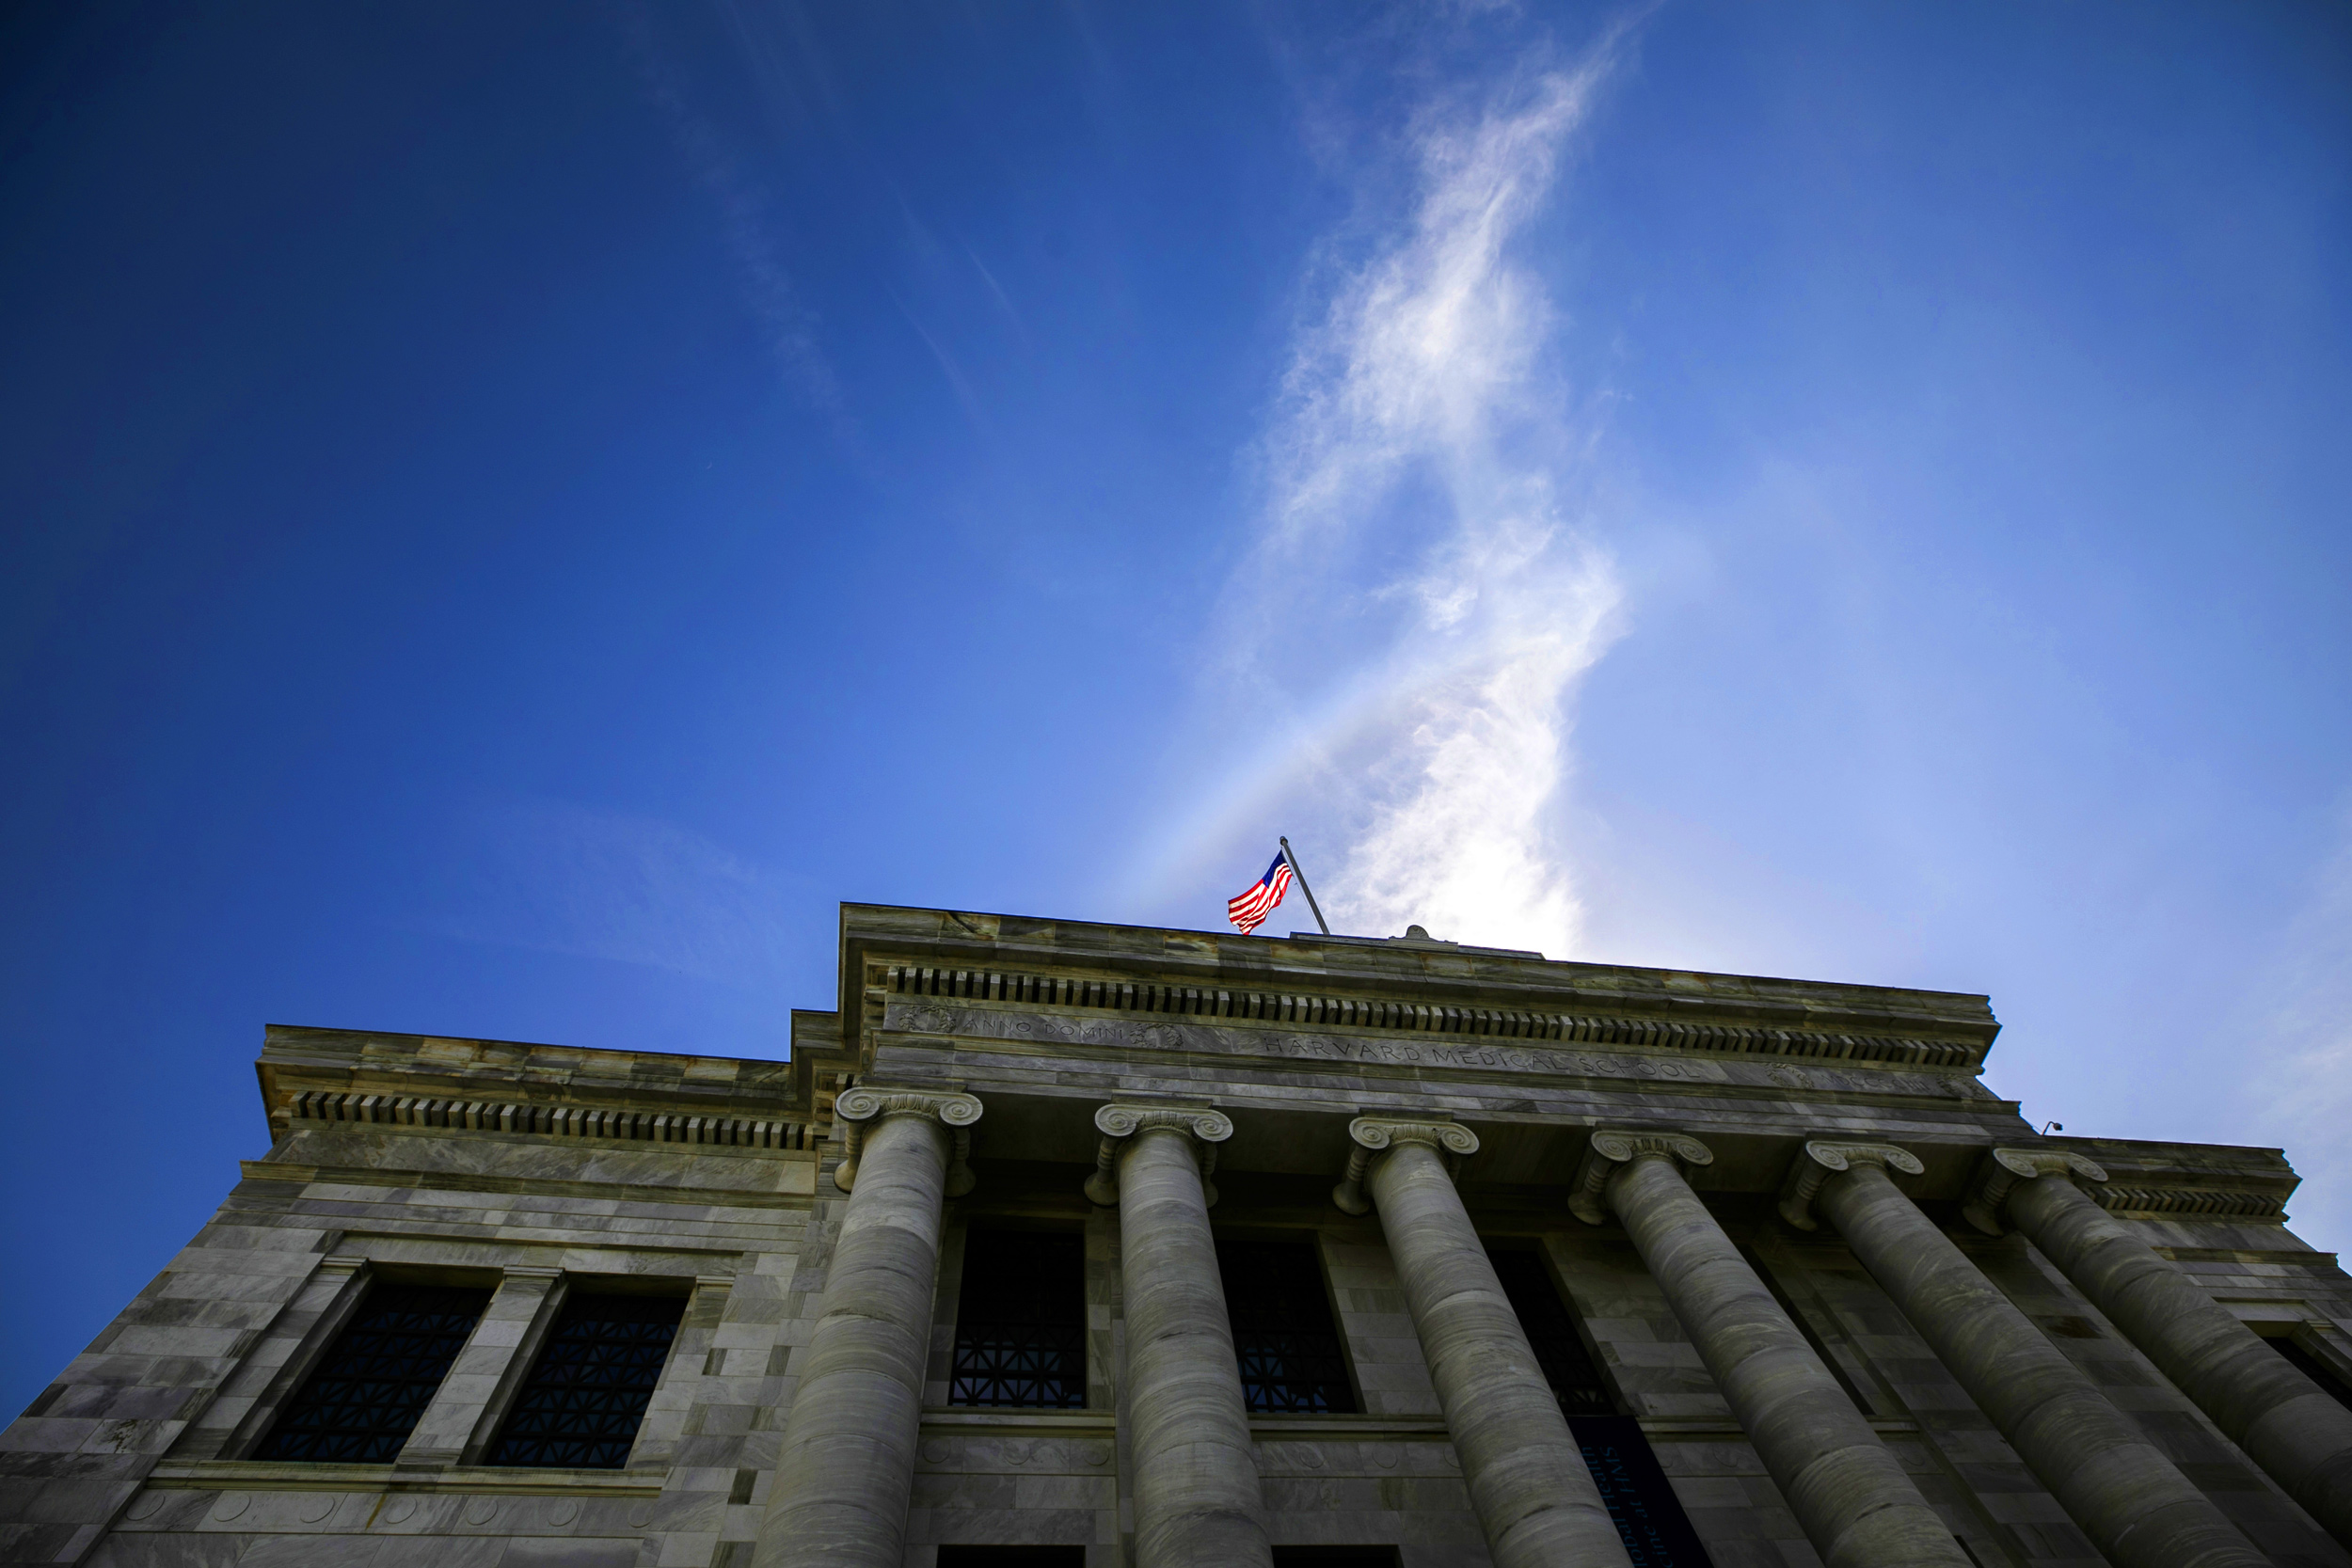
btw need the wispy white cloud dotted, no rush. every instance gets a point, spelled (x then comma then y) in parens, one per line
(746, 222)
(2300, 1024)
(552, 876)
(1422, 600)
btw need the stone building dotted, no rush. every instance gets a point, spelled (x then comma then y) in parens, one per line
(1060, 1243)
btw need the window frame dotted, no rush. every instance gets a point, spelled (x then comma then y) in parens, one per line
(951, 1291)
(261, 1425)
(1312, 1242)
(491, 1427)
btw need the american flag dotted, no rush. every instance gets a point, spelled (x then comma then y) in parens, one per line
(1250, 911)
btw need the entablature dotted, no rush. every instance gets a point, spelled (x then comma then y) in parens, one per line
(1396, 990)
(325, 1078)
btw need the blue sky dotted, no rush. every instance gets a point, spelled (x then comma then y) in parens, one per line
(512, 513)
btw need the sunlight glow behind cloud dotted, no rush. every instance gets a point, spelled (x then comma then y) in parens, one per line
(1421, 465)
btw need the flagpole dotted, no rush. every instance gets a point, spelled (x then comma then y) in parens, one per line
(1302, 884)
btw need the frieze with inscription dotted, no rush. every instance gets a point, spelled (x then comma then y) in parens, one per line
(930, 1016)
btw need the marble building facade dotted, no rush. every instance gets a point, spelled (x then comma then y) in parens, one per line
(1070, 1244)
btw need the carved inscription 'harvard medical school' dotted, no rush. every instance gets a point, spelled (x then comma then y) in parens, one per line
(980, 1023)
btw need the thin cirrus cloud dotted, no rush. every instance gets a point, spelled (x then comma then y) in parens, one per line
(1420, 599)
(552, 876)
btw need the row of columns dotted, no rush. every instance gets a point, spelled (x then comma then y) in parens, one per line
(846, 1471)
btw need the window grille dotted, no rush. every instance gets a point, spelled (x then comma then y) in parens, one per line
(1020, 1320)
(1560, 1350)
(580, 1407)
(367, 1393)
(1290, 1354)
(1641, 1501)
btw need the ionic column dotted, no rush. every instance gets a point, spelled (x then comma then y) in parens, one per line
(2127, 1495)
(1536, 1498)
(1197, 1495)
(2283, 1421)
(847, 1468)
(1853, 1498)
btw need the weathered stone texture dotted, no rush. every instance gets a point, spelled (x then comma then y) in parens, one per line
(1748, 1348)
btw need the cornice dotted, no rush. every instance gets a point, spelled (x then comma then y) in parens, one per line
(330, 1108)
(2193, 1203)
(1436, 972)
(1378, 1015)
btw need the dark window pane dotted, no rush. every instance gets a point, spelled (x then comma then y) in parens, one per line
(2313, 1368)
(1290, 1353)
(589, 1389)
(1559, 1349)
(1649, 1516)
(1020, 1320)
(365, 1396)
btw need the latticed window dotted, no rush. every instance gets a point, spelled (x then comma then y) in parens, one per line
(1020, 1320)
(368, 1391)
(1641, 1501)
(1290, 1353)
(1559, 1349)
(580, 1407)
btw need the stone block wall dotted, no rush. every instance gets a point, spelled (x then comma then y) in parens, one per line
(531, 1170)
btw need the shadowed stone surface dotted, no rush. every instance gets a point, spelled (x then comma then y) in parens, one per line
(1857, 1506)
(2121, 1488)
(1198, 1500)
(848, 1464)
(1536, 1500)
(2285, 1422)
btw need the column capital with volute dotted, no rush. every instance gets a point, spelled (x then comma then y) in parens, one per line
(1823, 1157)
(1119, 1121)
(1375, 1135)
(1612, 1150)
(858, 1108)
(2003, 1167)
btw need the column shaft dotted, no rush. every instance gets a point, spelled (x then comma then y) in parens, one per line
(1857, 1506)
(2128, 1497)
(1527, 1478)
(2285, 1424)
(1197, 1497)
(847, 1468)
